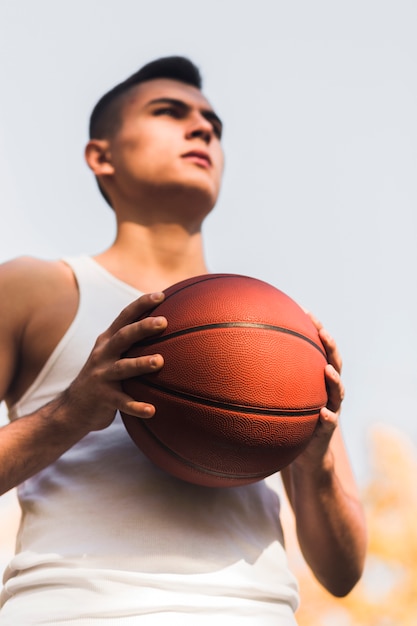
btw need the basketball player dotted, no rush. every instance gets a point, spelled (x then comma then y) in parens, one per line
(106, 537)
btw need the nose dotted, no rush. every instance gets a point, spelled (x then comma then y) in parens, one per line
(201, 128)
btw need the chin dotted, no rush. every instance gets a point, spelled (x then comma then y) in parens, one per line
(193, 191)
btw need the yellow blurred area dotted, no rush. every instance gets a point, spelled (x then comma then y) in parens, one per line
(387, 593)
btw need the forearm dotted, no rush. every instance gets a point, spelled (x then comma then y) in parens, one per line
(330, 525)
(33, 442)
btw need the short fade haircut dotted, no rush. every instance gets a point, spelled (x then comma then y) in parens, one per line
(106, 115)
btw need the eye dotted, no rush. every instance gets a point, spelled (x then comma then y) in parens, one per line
(167, 110)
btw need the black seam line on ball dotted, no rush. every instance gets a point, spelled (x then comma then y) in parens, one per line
(220, 325)
(201, 468)
(230, 406)
(202, 279)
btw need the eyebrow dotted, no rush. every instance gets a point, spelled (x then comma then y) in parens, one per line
(209, 114)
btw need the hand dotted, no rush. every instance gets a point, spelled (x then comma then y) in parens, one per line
(317, 451)
(95, 395)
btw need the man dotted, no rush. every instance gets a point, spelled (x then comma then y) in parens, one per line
(106, 537)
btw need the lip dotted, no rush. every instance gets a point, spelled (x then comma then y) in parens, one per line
(199, 157)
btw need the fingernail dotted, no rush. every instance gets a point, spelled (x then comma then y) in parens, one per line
(148, 411)
(159, 321)
(157, 295)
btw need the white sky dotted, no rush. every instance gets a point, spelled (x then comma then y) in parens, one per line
(320, 196)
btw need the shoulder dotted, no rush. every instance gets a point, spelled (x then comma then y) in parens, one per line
(25, 267)
(26, 276)
(27, 283)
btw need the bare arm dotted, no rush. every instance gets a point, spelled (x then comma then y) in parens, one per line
(324, 497)
(32, 442)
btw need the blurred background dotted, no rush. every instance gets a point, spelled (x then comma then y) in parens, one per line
(319, 199)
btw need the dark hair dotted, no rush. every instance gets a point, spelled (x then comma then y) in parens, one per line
(105, 117)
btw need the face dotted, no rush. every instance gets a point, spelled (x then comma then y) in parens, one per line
(169, 139)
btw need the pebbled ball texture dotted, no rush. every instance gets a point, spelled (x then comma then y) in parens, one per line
(242, 386)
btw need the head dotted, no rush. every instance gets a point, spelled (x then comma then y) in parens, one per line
(167, 80)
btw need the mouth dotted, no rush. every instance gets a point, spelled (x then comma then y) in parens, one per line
(199, 157)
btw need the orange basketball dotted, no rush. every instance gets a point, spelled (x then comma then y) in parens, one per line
(242, 385)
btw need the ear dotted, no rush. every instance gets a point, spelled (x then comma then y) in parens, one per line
(98, 157)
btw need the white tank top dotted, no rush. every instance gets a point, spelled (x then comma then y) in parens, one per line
(108, 538)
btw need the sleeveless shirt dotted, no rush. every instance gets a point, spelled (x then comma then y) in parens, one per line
(108, 538)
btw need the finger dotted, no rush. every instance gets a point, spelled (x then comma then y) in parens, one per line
(328, 420)
(332, 351)
(314, 319)
(335, 388)
(136, 310)
(132, 333)
(135, 366)
(132, 407)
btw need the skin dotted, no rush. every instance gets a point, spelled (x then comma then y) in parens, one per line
(162, 171)
(323, 493)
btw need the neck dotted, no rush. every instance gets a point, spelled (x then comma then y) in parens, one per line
(151, 257)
